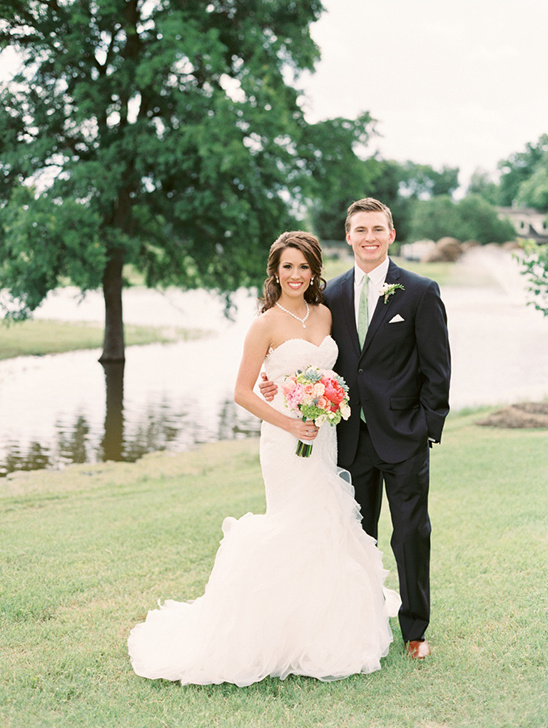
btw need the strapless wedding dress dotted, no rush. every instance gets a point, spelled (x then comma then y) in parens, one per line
(298, 589)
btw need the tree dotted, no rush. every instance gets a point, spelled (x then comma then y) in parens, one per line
(343, 175)
(483, 186)
(471, 218)
(161, 133)
(535, 268)
(433, 219)
(338, 174)
(533, 192)
(519, 168)
(421, 181)
(386, 186)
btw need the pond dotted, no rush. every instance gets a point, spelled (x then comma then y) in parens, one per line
(67, 408)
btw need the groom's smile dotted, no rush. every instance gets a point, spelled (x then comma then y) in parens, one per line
(369, 236)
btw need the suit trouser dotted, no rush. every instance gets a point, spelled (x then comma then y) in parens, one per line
(407, 493)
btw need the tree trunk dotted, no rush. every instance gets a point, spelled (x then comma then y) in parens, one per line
(113, 346)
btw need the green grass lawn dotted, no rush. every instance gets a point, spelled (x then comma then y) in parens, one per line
(85, 552)
(37, 337)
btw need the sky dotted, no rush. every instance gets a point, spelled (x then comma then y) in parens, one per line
(462, 83)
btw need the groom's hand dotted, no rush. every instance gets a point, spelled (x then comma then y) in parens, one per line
(267, 388)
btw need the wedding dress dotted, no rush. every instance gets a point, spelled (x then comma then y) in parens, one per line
(298, 589)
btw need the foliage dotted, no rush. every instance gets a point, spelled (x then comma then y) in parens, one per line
(70, 594)
(339, 175)
(517, 171)
(164, 134)
(471, 218)
(483, 186)
(386, 186)
(533, 192)
(534, 264)
(421, 181)
(342, 176)
(45, 241)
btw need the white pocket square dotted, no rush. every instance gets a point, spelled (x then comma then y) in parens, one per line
(396, 318)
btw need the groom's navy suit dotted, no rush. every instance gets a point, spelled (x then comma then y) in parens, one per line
(400, 379)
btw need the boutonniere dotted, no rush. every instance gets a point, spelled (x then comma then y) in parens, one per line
(388, 289)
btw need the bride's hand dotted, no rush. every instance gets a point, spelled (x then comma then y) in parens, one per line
(306, 431)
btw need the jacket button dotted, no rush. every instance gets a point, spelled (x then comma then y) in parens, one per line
(360, 371)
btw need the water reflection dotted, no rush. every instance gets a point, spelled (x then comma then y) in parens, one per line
(72, 445)
(35, 458)
(69, 409)
(112, 444)
(155, 431)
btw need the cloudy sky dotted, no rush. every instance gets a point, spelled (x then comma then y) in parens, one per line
(456, 82)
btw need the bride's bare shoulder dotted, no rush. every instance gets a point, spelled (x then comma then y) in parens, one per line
(324, 314)
(263, 325)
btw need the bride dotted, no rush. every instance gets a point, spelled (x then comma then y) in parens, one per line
(298, 589)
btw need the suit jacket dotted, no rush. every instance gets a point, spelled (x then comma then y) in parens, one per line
(401, 377)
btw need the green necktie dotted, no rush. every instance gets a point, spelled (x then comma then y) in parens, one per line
(363, 311)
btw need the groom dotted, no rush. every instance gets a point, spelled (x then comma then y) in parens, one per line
(391, 329)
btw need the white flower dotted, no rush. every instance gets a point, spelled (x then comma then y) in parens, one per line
(388, 289)
(345, 411)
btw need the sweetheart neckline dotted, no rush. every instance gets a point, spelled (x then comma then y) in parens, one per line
(298, 338)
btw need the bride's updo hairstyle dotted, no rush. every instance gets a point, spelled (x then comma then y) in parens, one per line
(310, 248)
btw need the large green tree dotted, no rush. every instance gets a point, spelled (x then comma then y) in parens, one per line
(162, 133)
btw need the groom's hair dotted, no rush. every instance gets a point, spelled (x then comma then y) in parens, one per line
(368, 204)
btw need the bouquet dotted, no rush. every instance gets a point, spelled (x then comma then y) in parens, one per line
(318, 395)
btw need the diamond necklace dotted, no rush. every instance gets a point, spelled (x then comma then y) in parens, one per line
(302, 320)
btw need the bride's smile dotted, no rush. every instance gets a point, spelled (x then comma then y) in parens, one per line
(294, 273)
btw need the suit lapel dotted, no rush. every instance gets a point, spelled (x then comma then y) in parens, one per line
(381, 309)
(347, 286)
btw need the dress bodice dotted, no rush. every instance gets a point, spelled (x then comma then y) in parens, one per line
(295, 354)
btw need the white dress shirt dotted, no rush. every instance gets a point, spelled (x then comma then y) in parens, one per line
(376, 279)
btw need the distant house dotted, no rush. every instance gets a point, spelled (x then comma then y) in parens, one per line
(528, 223)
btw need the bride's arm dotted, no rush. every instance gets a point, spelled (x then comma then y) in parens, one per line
(256, 347)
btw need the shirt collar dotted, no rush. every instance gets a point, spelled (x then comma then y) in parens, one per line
(377, 275)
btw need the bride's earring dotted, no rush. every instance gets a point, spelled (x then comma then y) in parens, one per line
(277, 279)
(311, 281)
